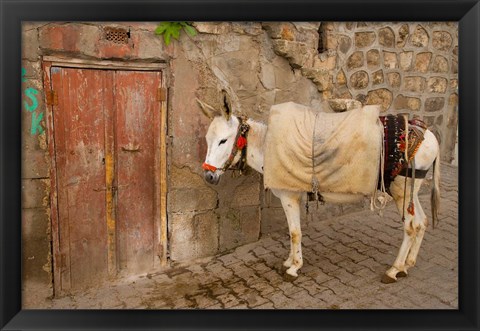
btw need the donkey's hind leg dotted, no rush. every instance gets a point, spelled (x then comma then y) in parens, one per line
(412, 225)
(420, 224)
(291, 206)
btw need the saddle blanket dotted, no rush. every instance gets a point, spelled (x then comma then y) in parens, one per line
(339, 152)
(395, 146)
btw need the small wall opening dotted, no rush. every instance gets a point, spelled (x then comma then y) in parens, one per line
(117, 35)
(322, 39)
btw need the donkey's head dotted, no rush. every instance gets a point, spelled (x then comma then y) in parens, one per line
(225, 139)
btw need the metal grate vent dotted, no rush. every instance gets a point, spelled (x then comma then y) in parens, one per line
(117, 35)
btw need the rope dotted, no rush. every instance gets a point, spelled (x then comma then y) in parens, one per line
(406, 138)
(404, 194)
(383, 198)
(411, 207)
(406, 158)
(315, 184)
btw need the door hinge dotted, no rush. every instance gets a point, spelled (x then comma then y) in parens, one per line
(52, 98)
(162, 94)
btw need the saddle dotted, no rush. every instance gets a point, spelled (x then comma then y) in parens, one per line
(395, 146)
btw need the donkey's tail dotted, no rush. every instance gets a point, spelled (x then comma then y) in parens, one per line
(435, 194)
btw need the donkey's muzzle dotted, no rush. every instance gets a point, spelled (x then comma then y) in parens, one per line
(211, 177)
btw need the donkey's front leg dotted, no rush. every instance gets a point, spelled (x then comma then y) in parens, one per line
(291, 206)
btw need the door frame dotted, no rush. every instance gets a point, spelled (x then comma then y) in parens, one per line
(160, 218)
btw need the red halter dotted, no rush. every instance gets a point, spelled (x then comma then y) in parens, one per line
(208, 167)
(241, 144)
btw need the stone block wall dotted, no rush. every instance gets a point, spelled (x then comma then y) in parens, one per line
(409, 68)
(406, 67)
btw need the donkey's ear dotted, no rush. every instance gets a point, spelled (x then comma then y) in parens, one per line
(208, 110)
(227, 106)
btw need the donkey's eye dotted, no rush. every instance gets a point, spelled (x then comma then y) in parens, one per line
(223, 141)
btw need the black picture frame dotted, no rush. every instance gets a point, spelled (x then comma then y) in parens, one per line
(13, 12)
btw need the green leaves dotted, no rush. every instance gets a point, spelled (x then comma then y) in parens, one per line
(173, 29)
(190, 30)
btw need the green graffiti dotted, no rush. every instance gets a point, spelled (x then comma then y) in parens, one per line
(36, 124)
(36, 118)
(30, 93)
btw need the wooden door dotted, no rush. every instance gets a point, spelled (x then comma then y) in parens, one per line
(106, 131)
(137, 147)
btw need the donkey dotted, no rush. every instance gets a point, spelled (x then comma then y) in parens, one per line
(227, 141)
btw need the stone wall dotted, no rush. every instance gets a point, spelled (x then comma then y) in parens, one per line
(36, 227)
(408, 68)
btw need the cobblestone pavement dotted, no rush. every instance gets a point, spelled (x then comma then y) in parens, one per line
(344, 259)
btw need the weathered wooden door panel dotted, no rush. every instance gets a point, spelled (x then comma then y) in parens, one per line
(106, 127)
(79, 123)
(137, 130)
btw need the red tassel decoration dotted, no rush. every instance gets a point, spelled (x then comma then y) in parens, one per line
(241, 142)
(411, 209)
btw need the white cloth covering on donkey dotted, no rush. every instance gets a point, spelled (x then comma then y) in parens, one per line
(346, 149)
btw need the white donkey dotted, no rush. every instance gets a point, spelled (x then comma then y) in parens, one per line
(227, 147)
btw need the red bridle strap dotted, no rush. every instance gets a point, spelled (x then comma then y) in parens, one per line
(208, 167)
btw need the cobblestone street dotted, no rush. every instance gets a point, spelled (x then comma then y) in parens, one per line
(344, 259)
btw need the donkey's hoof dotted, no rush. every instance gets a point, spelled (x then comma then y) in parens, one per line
(386, 279)
(289, 278)
(402, 274)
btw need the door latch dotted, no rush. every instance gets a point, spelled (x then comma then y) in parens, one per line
(131, 148)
